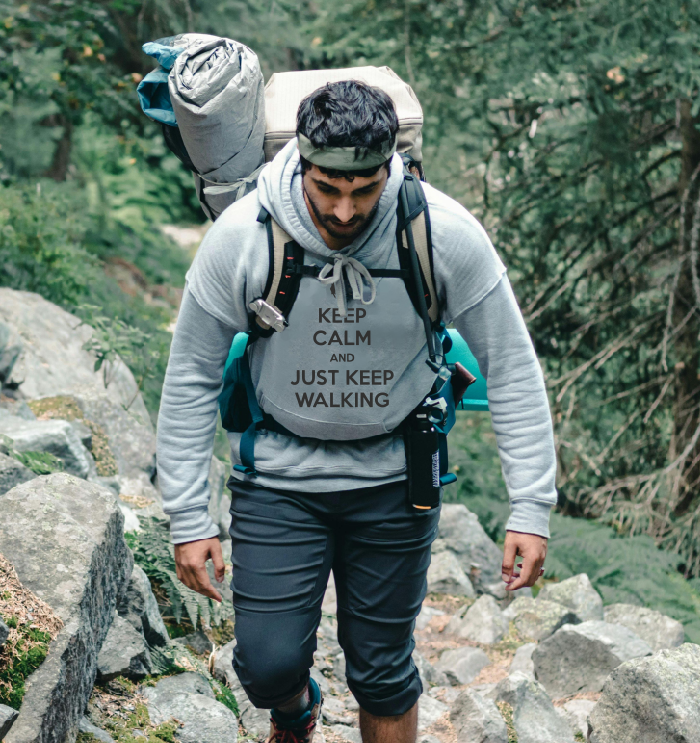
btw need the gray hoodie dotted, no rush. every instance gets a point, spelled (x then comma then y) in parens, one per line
(343, 439)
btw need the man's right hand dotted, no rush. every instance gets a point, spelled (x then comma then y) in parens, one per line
(190, 564)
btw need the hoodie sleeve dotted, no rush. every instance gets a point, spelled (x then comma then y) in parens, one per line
(496, 334)
(187, 418)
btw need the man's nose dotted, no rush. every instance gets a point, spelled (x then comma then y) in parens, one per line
(344, 210)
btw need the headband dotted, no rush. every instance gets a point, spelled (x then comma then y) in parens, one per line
(343, 158)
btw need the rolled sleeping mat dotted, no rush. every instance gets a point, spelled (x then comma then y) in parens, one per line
(217, 93)
(475, 396)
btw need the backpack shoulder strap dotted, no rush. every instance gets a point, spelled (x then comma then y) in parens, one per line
(419, 217)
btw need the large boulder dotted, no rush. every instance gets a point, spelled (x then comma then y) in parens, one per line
(579, 657)
(483, 621)
(12, 473)
(55, 437)
(480, 556)
(576, 712)
(655, 628)
(52, 360)
(577, 594)
(10, 349)
(537, 619)
(429, 674)
(654, 700)
(123, 653)
(64, 537)
(477, 719)
(534, 718)
(522, 660)
(7, 718)
(430, 710)
(462, 665)
(445, 575)
(138, 606)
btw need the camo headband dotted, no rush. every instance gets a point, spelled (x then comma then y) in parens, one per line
(343, 158)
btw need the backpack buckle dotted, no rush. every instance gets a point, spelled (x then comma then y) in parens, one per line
(270, 315)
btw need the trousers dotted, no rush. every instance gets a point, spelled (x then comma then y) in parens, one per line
(284, 545)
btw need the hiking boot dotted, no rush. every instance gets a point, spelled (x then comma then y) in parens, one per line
(303, 728)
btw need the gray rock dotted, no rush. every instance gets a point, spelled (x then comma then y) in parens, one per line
(85, 726)
(56, 437)
(131, 520)
(483, 621)
(445, 575)
(123, 653)
(462, 665)
(12, 473)
(427, 738)
(534, 718)
(346, 733)
(430, 676)
(7, 718)
(653, 700)
(426, 614)
(219, 496)
(197, 641)
(430, 710)
(4, 632)
(334, 712)
(536, 619)
(522, 660)
(579, 657)
(477, 719)
(18, 408)
(191, 700)
(139, 607)
(656, 629)
(577, 594)
(83, 433)
(10, 349)
(52, 360)
(576, 712)
(64, 537)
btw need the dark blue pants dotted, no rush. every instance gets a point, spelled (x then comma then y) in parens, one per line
(284, 545)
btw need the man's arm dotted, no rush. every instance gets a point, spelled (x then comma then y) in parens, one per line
(497, 336)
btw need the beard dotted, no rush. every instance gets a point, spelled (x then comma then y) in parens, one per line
(331, 224)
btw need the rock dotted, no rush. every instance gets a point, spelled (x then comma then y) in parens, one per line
(83, 433)
(653, 700)
(10, 349)
(427, 738)
(56, 437)
(219, 496)
(131, 520)
(445, 575)
(123, 653)
(4, 632)
(461, 532)
(430, 676)
(579, 657)
(52, 360)
(64, 537)
(197, 641)
(522, 660)
(7, 718)
(255, 721)
(330, 598)
(537, 619)
(335, 713)
(17, 408)
(12, 473)
(656, 629)
(462, 665)
(576, 712)
(577, 594)
(139, 607)
(85, 726)
(534, 718)
(426, 614)
(347, 733)
(477, 719)
(483, 621)
(430, 710)
(191, 700)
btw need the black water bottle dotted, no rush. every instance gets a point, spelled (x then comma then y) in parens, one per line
(422, 464)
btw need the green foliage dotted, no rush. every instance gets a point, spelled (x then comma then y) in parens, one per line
(154, 552)
(26, 655)
(224, 695)
(39, 462)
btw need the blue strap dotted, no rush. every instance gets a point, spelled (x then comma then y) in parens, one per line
(247, 446)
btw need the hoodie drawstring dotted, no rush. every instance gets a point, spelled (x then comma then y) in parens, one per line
(356, 273)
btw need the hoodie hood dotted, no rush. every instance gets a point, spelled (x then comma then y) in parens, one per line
(280, 192)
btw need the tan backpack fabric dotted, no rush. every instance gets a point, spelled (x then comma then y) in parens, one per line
(285, 91)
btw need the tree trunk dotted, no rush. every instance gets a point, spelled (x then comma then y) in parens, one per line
(686, 414)
(58, 170)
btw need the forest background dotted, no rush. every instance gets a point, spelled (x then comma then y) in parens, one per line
(571, 130)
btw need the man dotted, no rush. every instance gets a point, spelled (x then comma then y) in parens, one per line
(333, 494)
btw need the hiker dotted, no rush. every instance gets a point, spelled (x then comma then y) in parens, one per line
(326, 487)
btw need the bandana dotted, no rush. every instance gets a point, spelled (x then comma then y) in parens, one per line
(343, 158)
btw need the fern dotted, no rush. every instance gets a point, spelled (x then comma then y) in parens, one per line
(154, 552)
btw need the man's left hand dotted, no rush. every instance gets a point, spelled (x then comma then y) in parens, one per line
(533, 549)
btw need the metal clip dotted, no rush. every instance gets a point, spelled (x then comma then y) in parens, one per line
(270, 315)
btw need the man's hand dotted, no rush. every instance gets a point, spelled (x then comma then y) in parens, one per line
(533, 549)
(190, 562)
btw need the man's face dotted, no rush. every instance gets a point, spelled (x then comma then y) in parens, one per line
(341, 207)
